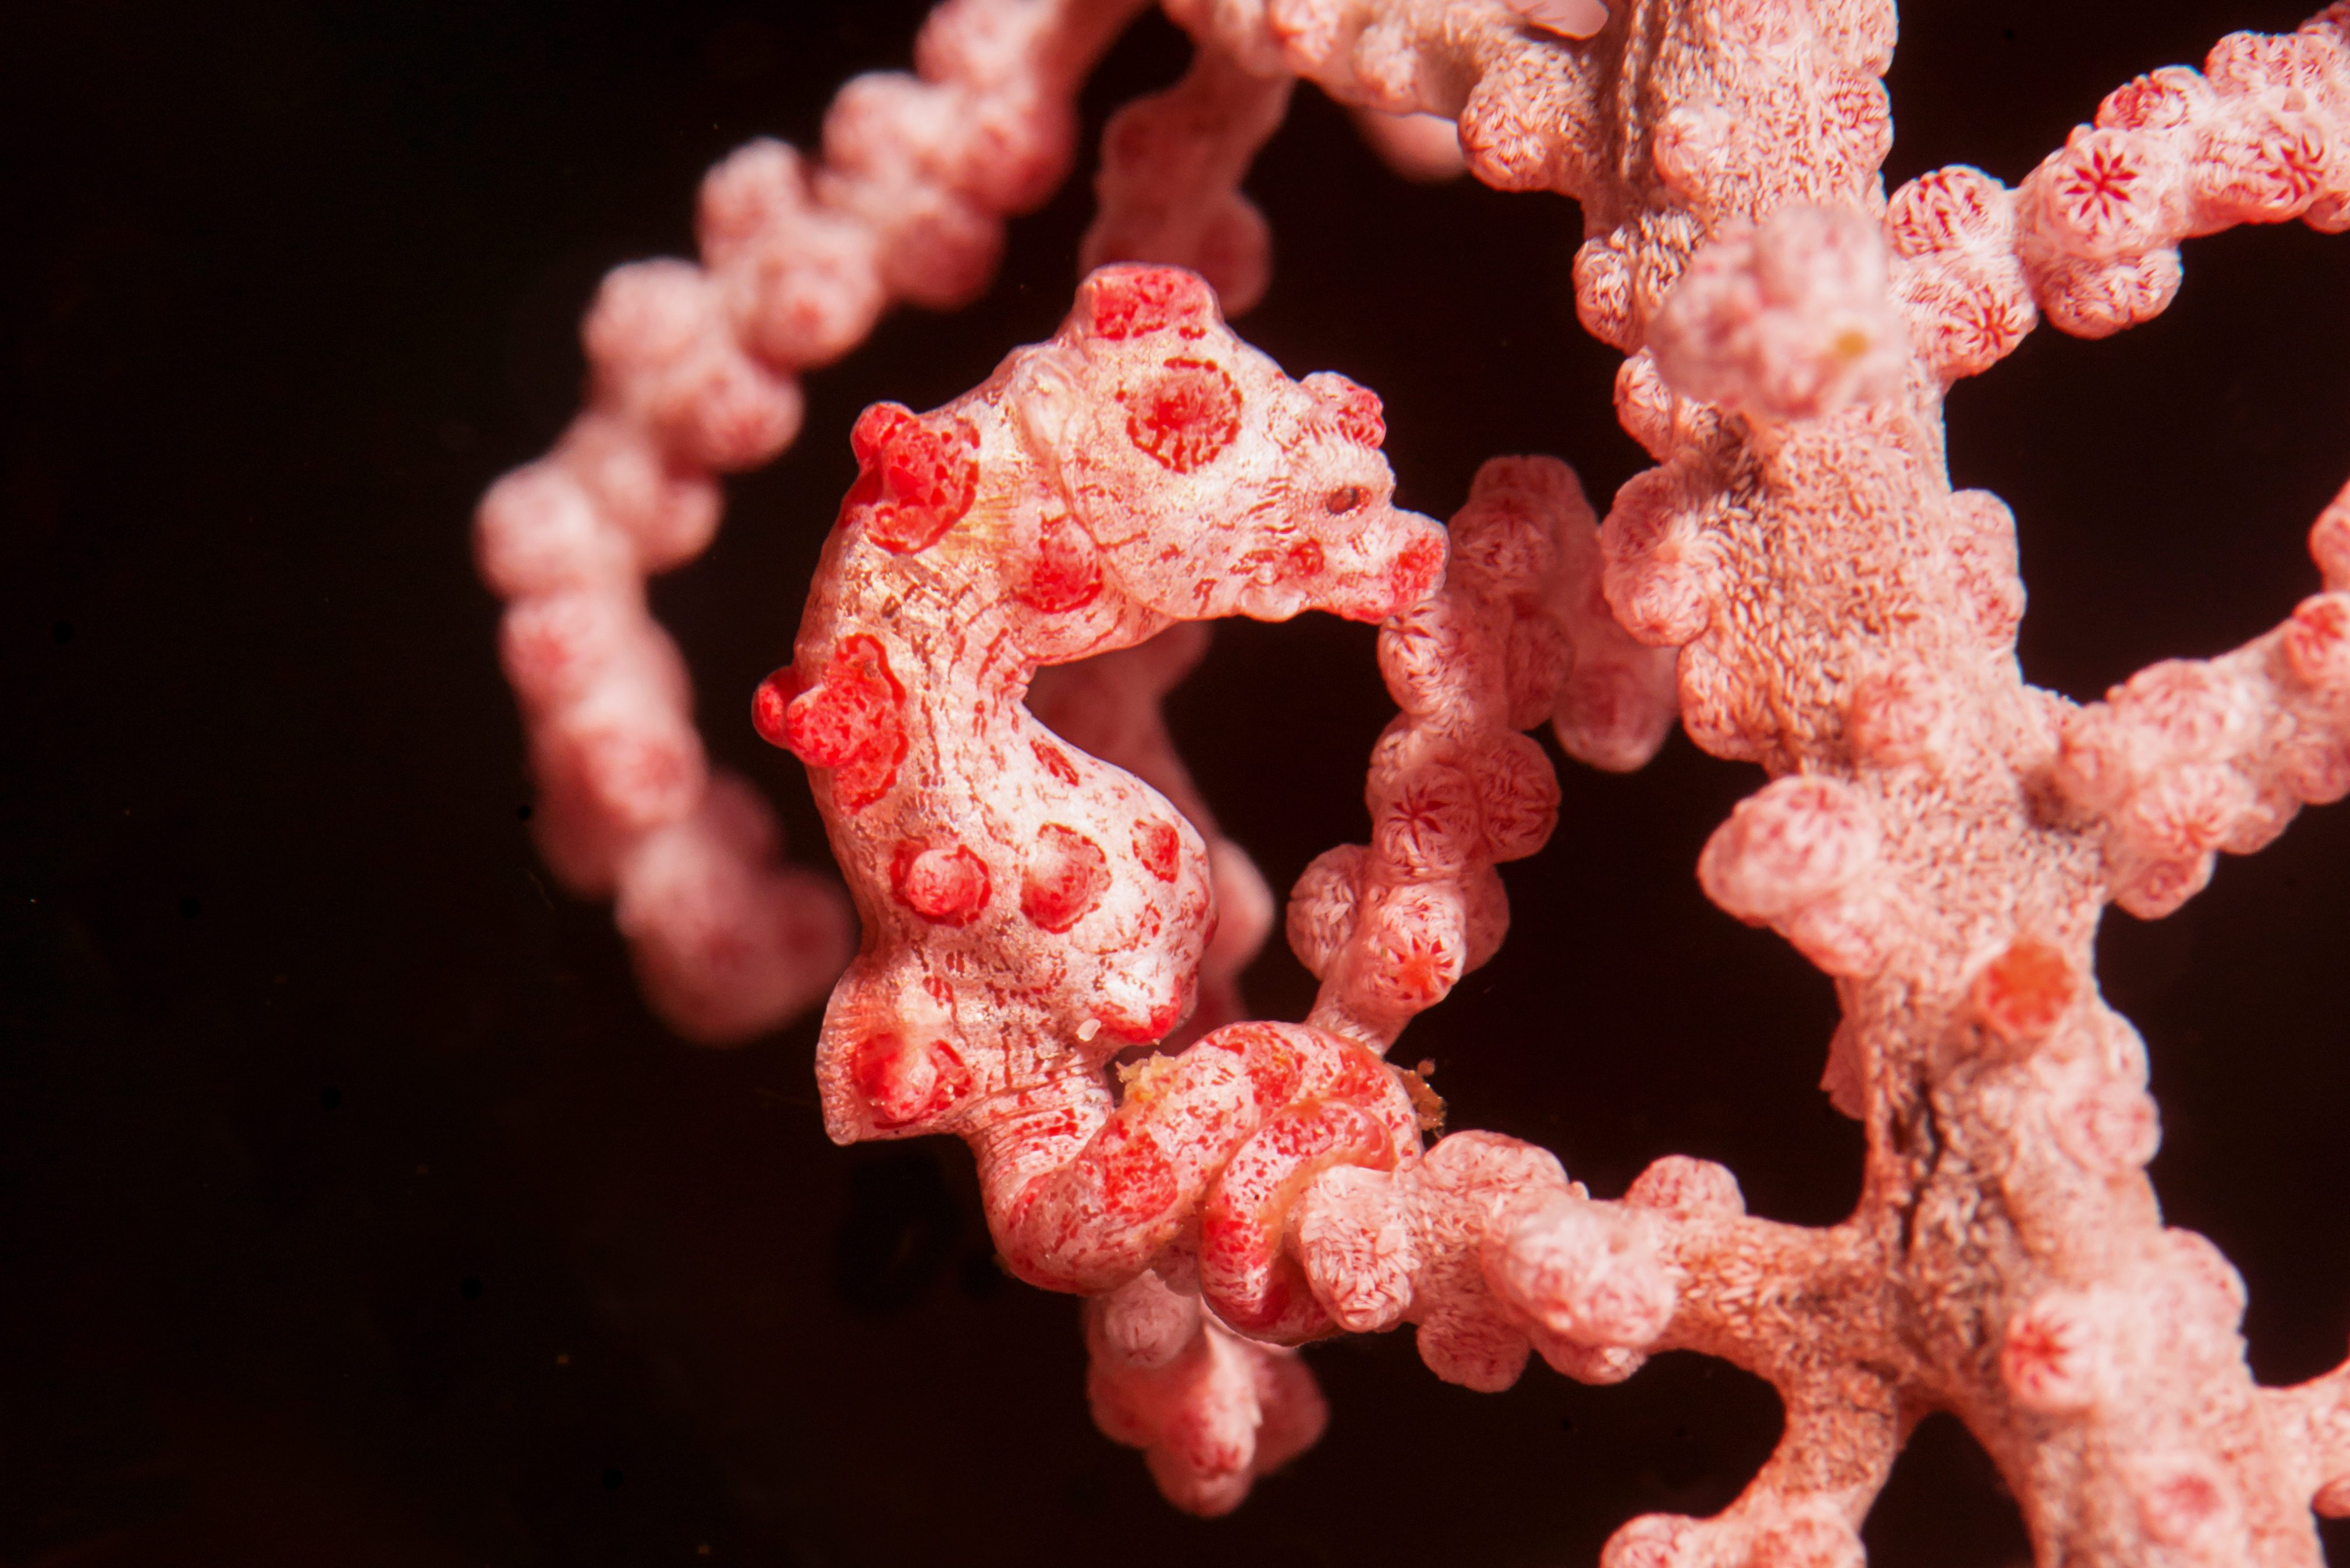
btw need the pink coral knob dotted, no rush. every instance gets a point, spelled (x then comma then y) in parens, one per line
(1795, 843)
(2022, 994)
(1585, 1272)
(1787, 321)
(2052, 1357)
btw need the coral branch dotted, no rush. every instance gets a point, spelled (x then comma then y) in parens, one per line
(2314, 1419)
(1513, 638)
(1525, 106)
(693, 375)
(2189, 758)
(2260, 136)
(1809, 1311)
(1422, 148)
(1211, 1411)
(2263, 135)
(1170, 171)
(1803, 1511)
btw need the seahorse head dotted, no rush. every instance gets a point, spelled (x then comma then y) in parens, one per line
(1203, 480)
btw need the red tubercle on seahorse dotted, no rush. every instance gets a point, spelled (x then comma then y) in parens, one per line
(917, 478)
(1067, 874)
(905, 1081)
(1157, 844)
(1130, 302)
(940, 880)
(1184, 414)
(1066, 573)
(1054, 761)
(848, 718)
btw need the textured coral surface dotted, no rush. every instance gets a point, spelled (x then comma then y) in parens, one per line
(1797, 578)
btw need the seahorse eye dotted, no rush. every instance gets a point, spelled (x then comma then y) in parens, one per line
(1346, 498)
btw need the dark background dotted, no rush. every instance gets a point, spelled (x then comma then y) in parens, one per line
(356, 1212)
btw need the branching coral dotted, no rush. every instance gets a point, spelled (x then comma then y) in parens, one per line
(1795, 578)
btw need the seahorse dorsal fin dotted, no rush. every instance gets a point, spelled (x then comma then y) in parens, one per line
(1045, 399)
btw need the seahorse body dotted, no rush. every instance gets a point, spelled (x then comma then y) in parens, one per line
(1028, 910)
